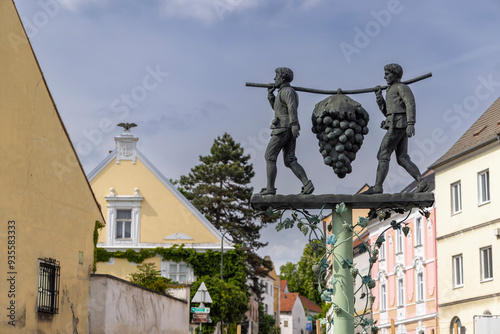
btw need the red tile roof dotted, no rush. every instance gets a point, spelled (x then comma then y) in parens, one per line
(484, 131)
(287, 300)
(310, 305)
(282, 285)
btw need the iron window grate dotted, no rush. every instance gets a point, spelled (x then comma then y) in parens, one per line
(48, 286)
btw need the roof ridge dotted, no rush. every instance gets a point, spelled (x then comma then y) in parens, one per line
(485, 129)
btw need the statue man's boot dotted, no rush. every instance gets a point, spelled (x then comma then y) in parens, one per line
(271, 178)
(422, 186)
(382, 170)
(307, 185)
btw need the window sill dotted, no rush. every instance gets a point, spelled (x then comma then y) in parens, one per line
(458, 286)
(456, 213)
(484, 203)
(486, 280)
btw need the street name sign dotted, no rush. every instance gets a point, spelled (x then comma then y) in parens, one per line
(200, 309)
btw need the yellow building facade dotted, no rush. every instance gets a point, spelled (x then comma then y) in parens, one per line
(144, 211)
(468, 228)
(48, 210)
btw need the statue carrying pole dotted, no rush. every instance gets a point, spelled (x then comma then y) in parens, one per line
(339, 91)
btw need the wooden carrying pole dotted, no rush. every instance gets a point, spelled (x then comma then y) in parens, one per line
(393, 327)
(339, 91)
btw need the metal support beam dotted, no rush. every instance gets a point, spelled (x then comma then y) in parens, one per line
(358, 201)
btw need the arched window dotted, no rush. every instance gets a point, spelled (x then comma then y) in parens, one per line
(455, 320)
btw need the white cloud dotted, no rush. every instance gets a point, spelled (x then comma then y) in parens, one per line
(207, 11)
(311, 3)
(74, 5)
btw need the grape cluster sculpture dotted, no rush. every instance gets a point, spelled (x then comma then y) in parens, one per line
(340, 124)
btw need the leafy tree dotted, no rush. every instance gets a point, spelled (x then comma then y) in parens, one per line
(219, 188)
(149, 277)
(289, 272)
(229, 301)
(300, 277)
(267, 322)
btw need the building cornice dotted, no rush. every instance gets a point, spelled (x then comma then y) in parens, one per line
(470, 300)
(468, 229)
(411, 320)
(197, 247)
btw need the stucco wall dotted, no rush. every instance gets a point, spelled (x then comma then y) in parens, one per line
(466, 233)
(117, 306)
(45, 195)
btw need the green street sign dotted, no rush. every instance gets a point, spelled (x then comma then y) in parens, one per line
(309, 318)
(200, 309)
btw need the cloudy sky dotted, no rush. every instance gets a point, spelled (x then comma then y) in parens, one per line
(178, 69)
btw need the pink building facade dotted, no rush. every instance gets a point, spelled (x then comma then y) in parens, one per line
(406, 274)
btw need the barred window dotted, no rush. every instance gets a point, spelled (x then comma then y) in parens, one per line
(48, 286)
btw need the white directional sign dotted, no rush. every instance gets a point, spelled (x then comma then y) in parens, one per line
(201, 295)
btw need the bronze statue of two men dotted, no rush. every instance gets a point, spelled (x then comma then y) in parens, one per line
(398, 107)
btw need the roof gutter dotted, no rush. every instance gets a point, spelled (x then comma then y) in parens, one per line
(464, 153)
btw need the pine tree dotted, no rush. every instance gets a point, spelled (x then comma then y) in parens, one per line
(219, 189)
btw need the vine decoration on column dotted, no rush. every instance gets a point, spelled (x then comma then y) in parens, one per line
(324, 247)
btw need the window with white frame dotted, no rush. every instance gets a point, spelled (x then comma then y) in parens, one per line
(401, 292)
(456, 197)
(123, 224)
(383, 297)
(399, 241)
(418, 231)
(382, 255)
(483, 187)
(458, 274)
(486, 264)
(177, 271)
(123, 219)
(420, 287)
